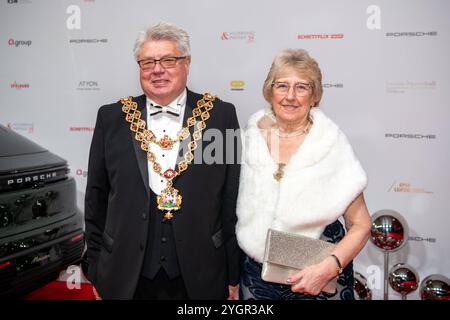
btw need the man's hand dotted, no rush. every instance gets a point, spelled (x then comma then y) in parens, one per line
(233, 292)
(97, 296)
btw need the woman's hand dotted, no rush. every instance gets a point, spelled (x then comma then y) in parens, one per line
(313, 279)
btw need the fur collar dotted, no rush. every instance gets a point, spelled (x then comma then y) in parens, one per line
(321, 179)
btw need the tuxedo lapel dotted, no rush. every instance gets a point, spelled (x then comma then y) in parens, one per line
(141, 155)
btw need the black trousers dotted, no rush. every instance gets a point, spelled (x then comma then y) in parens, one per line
(161, 288)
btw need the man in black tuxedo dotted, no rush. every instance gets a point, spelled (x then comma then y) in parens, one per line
(160, 217)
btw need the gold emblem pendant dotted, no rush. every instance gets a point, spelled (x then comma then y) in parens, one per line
(169, 200)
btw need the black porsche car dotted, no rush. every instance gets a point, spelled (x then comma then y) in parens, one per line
(41, 228)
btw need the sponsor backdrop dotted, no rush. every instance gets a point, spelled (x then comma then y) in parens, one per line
(386, 82)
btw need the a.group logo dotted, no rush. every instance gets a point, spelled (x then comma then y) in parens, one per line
(16, 43)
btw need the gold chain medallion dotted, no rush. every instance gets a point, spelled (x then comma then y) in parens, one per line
(170, 198)
(166, 142)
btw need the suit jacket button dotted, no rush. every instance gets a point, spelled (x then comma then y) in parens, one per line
(144, 216)
(141, 246)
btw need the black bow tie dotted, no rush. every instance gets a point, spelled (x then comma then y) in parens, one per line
(161, 109)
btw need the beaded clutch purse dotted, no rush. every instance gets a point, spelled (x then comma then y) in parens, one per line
(286, 254)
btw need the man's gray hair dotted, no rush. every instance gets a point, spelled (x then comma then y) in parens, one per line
(163, 31)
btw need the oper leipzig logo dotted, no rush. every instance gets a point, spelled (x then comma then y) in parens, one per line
(248, 36)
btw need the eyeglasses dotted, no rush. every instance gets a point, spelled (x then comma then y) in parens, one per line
(300, 89)
(166, 63)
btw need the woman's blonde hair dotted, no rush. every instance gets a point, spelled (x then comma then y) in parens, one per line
(300, 61)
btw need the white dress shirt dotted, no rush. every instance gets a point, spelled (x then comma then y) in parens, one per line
(161, 124)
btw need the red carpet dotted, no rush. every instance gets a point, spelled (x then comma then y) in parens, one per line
(58, 290)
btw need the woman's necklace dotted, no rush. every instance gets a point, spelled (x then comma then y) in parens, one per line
(297, 133)
(279, 173)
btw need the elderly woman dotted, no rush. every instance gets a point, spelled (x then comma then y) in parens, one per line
(299, 175)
